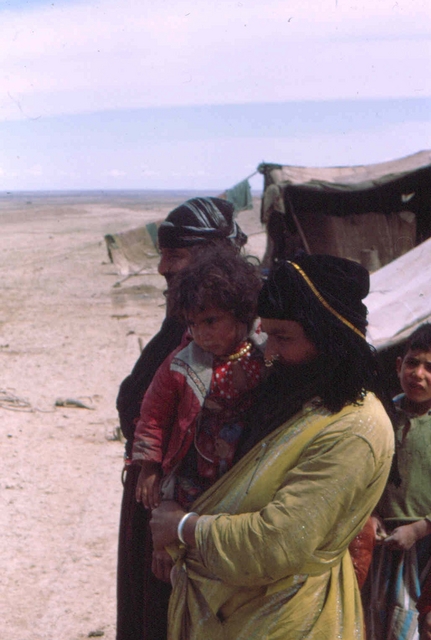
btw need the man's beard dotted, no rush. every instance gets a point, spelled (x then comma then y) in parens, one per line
(295, 380)
(283, 393)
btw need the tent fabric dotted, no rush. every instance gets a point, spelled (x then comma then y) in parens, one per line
(400, 297)
(335, 209)
(240, 196)
(323, 198)
(358, 177)
(130, 250)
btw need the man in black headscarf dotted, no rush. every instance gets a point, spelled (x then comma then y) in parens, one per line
(141, 598)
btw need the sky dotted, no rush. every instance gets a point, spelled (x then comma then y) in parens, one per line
(193, 94)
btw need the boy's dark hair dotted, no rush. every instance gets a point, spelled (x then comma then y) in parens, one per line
(420, 339)
(217, 277)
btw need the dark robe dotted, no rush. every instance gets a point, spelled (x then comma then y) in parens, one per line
(142, 599)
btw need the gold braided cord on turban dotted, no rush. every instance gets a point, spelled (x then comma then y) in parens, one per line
(324, 302)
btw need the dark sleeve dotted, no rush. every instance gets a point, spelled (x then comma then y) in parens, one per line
(133, 387)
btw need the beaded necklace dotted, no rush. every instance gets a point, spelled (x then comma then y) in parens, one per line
(238, 354)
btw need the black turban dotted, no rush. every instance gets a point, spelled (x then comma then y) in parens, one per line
(313, 287)
(200, 221)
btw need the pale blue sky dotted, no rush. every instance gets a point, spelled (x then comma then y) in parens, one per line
(192, 94)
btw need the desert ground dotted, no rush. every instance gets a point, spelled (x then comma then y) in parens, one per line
(68, 336)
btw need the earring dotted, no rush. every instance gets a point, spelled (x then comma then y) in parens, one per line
(270, 361)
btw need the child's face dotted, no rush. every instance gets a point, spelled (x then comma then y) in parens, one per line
(414, 372)
(216, 331)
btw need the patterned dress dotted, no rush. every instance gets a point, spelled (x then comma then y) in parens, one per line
(220, 423)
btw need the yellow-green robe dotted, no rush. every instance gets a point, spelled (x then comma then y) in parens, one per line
(272, 559)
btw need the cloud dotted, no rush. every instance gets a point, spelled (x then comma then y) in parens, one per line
(116, 173)
(7, 175)
(150, 173)
(36, 170)
(93, 56)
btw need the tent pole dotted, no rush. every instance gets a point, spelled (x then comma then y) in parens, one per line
(250, 176)
(297, 224)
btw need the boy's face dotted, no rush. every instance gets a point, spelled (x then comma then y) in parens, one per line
(216, 331)
(414, 372)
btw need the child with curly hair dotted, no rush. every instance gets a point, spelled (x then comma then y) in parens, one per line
(192, 414)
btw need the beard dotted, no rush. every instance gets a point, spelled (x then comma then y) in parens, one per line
(283, 393)
(296, 380)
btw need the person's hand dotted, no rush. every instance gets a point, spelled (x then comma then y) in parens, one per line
(380, 532)
(148, 485)
(164, 523)
(426, 628)
(161, 565)
(403, 538)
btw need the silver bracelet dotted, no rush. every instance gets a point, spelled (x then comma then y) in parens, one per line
(181, 524)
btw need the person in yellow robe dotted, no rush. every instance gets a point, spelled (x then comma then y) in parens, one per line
(264, 553)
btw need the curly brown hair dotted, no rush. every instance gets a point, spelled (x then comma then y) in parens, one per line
(217, 277)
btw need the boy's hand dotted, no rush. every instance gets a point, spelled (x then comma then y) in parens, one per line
(404, 537)
(148, 486)
(380, 532)
(401, 538)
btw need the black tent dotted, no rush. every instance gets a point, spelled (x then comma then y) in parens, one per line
(363, 212)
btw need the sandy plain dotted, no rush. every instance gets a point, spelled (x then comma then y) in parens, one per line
(66, 332)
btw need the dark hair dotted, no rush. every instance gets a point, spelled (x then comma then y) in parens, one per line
(217, 277)
(420, 339)
(348, 364)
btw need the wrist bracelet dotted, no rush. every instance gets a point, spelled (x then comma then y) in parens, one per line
(181, 524)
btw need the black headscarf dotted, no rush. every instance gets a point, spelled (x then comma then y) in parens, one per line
(310, 289)
(200, 221)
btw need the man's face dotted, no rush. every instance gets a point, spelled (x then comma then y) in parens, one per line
(172, 261)
(414, 372)
(287, 342)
